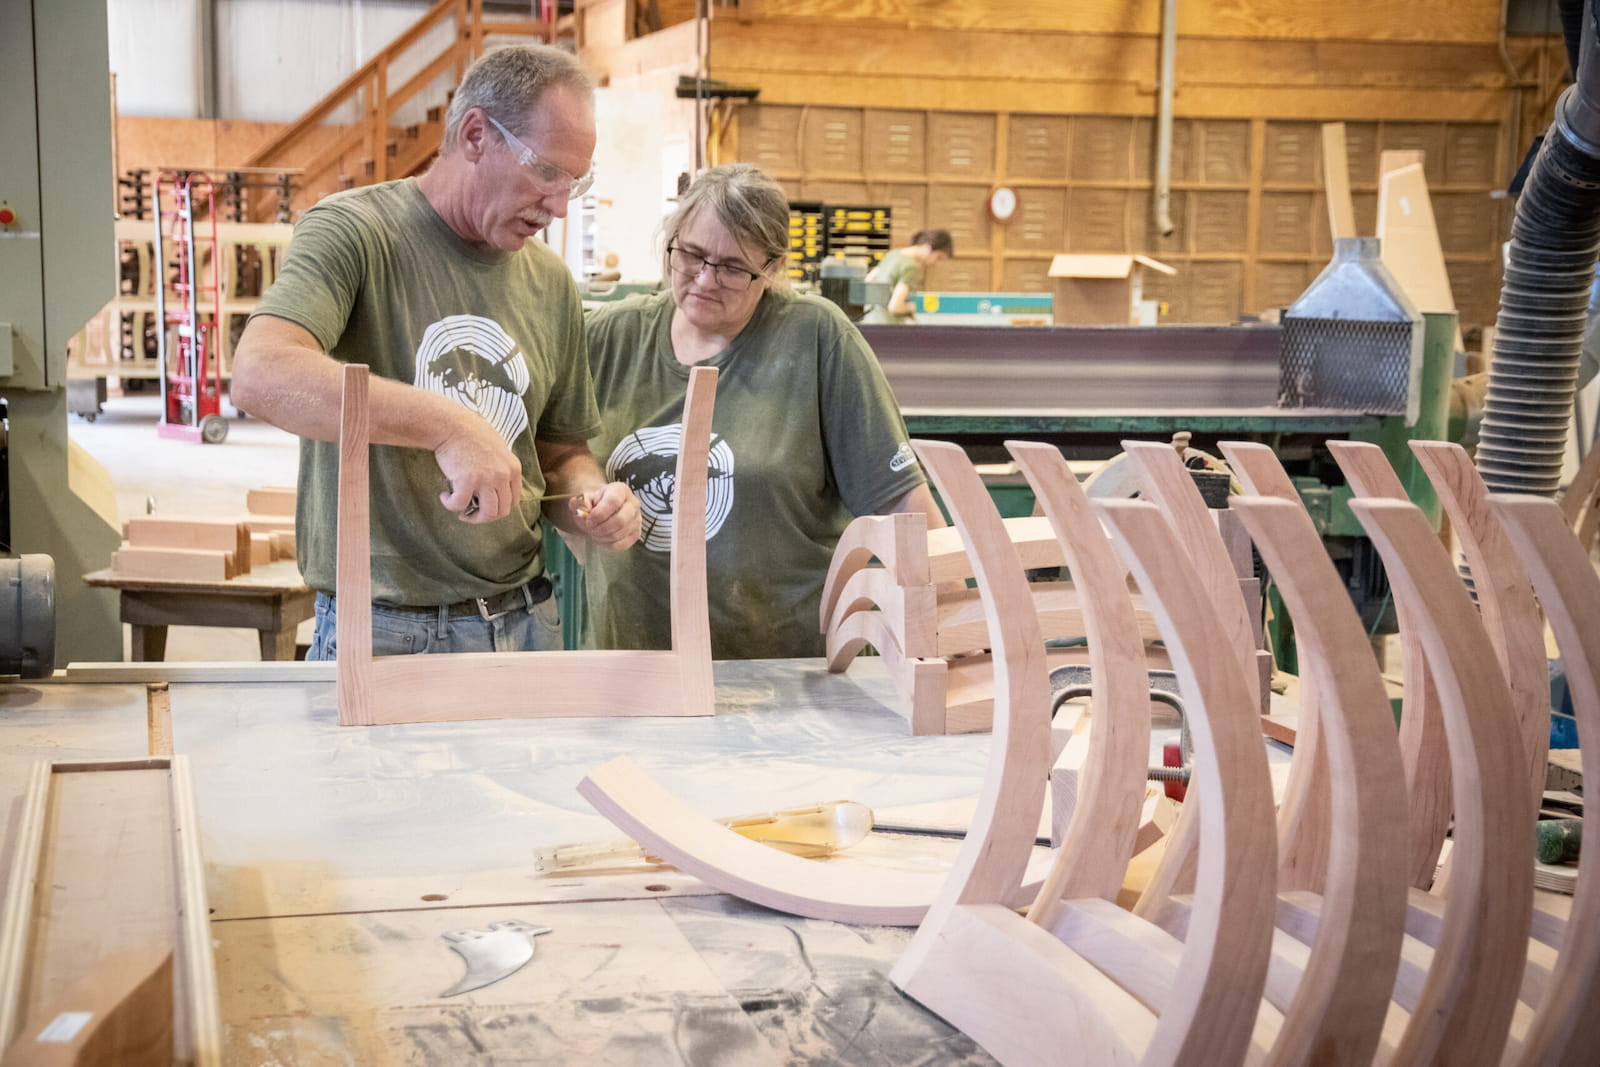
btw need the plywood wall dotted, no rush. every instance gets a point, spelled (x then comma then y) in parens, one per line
(927, 106)
(1251, 221)
(1422, 20)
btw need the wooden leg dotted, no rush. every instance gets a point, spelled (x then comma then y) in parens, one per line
(149, 643)
(277, 644)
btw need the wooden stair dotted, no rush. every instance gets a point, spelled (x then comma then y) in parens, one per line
(332, 153)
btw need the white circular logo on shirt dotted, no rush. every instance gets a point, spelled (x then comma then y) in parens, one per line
(647, 460)
(474, 362)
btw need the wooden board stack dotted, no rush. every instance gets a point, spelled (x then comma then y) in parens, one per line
(188, 547)
(902, 589)
(271, 522)
(208, 548)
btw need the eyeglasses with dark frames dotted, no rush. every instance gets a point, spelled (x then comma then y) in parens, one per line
(731, 277)
(549, 177)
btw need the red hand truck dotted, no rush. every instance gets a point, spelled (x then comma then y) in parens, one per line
(191, 366)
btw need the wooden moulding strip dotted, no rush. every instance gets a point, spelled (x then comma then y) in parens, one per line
(352, 562)
(1336, 180)
(166, 531)
(45, 938)
(196, 959)
(221, 673)
(196, 564)
(271, 500)
(267, 524)
(20, 889)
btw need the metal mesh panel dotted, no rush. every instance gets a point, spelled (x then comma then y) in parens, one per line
(1347, 364)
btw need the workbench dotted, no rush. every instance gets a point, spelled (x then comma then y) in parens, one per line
(270, 598)
(336, 857)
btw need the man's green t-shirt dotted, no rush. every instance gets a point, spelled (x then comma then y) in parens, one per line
(377, 277)
(893, 268)
(806, 436)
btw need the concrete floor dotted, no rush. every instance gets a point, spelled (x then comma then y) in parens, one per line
(152, 474)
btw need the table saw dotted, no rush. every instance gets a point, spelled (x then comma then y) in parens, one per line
(337, 858)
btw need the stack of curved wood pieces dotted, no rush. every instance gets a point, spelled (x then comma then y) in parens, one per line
(902, 589)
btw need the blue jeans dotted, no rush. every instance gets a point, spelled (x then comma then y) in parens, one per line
(403, 632)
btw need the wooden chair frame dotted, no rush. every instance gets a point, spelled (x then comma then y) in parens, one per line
(1101, 830)
(499, 685)
(1505, 599)
(1167, 482)
(1327, 992)
(1423, 745)
(1339, 1001)
(1566, 1026)
(1463, 1008)
(1027, 996)
(1304, 815)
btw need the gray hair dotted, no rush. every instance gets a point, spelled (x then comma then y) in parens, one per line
(749, 203)
(507, 82)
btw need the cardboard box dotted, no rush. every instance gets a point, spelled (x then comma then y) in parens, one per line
(1100, 289)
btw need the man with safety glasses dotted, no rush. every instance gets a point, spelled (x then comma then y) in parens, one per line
(475, 339)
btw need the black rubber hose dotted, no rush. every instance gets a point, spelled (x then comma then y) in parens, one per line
(1544, 300)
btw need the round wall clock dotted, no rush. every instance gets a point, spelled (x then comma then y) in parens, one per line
(1002, 203)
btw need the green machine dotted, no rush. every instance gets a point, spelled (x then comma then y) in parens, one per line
(56, 270)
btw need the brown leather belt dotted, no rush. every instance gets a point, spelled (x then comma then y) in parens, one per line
(523, 597)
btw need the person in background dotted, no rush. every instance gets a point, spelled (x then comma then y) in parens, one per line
(806, 434)
(902, 269)
(475, 340)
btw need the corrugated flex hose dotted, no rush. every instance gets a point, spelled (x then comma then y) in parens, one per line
(1544, 301)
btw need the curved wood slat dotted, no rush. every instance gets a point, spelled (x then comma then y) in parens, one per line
(1001, 835)
(1505, 600)
(1580, 504)
(1166, 481)
(1465, 1010)
(1567, 1027)
(1341, 999)
(1422, 730)
(1304, 815)
(669, 828)
(1224, 969)
(898, 542)
(909, 612)
(920, 682)
(1099, 840)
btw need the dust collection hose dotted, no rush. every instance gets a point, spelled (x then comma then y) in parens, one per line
(1544, 300)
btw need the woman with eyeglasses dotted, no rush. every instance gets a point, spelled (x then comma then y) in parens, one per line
(806, 435)
(902, 271)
